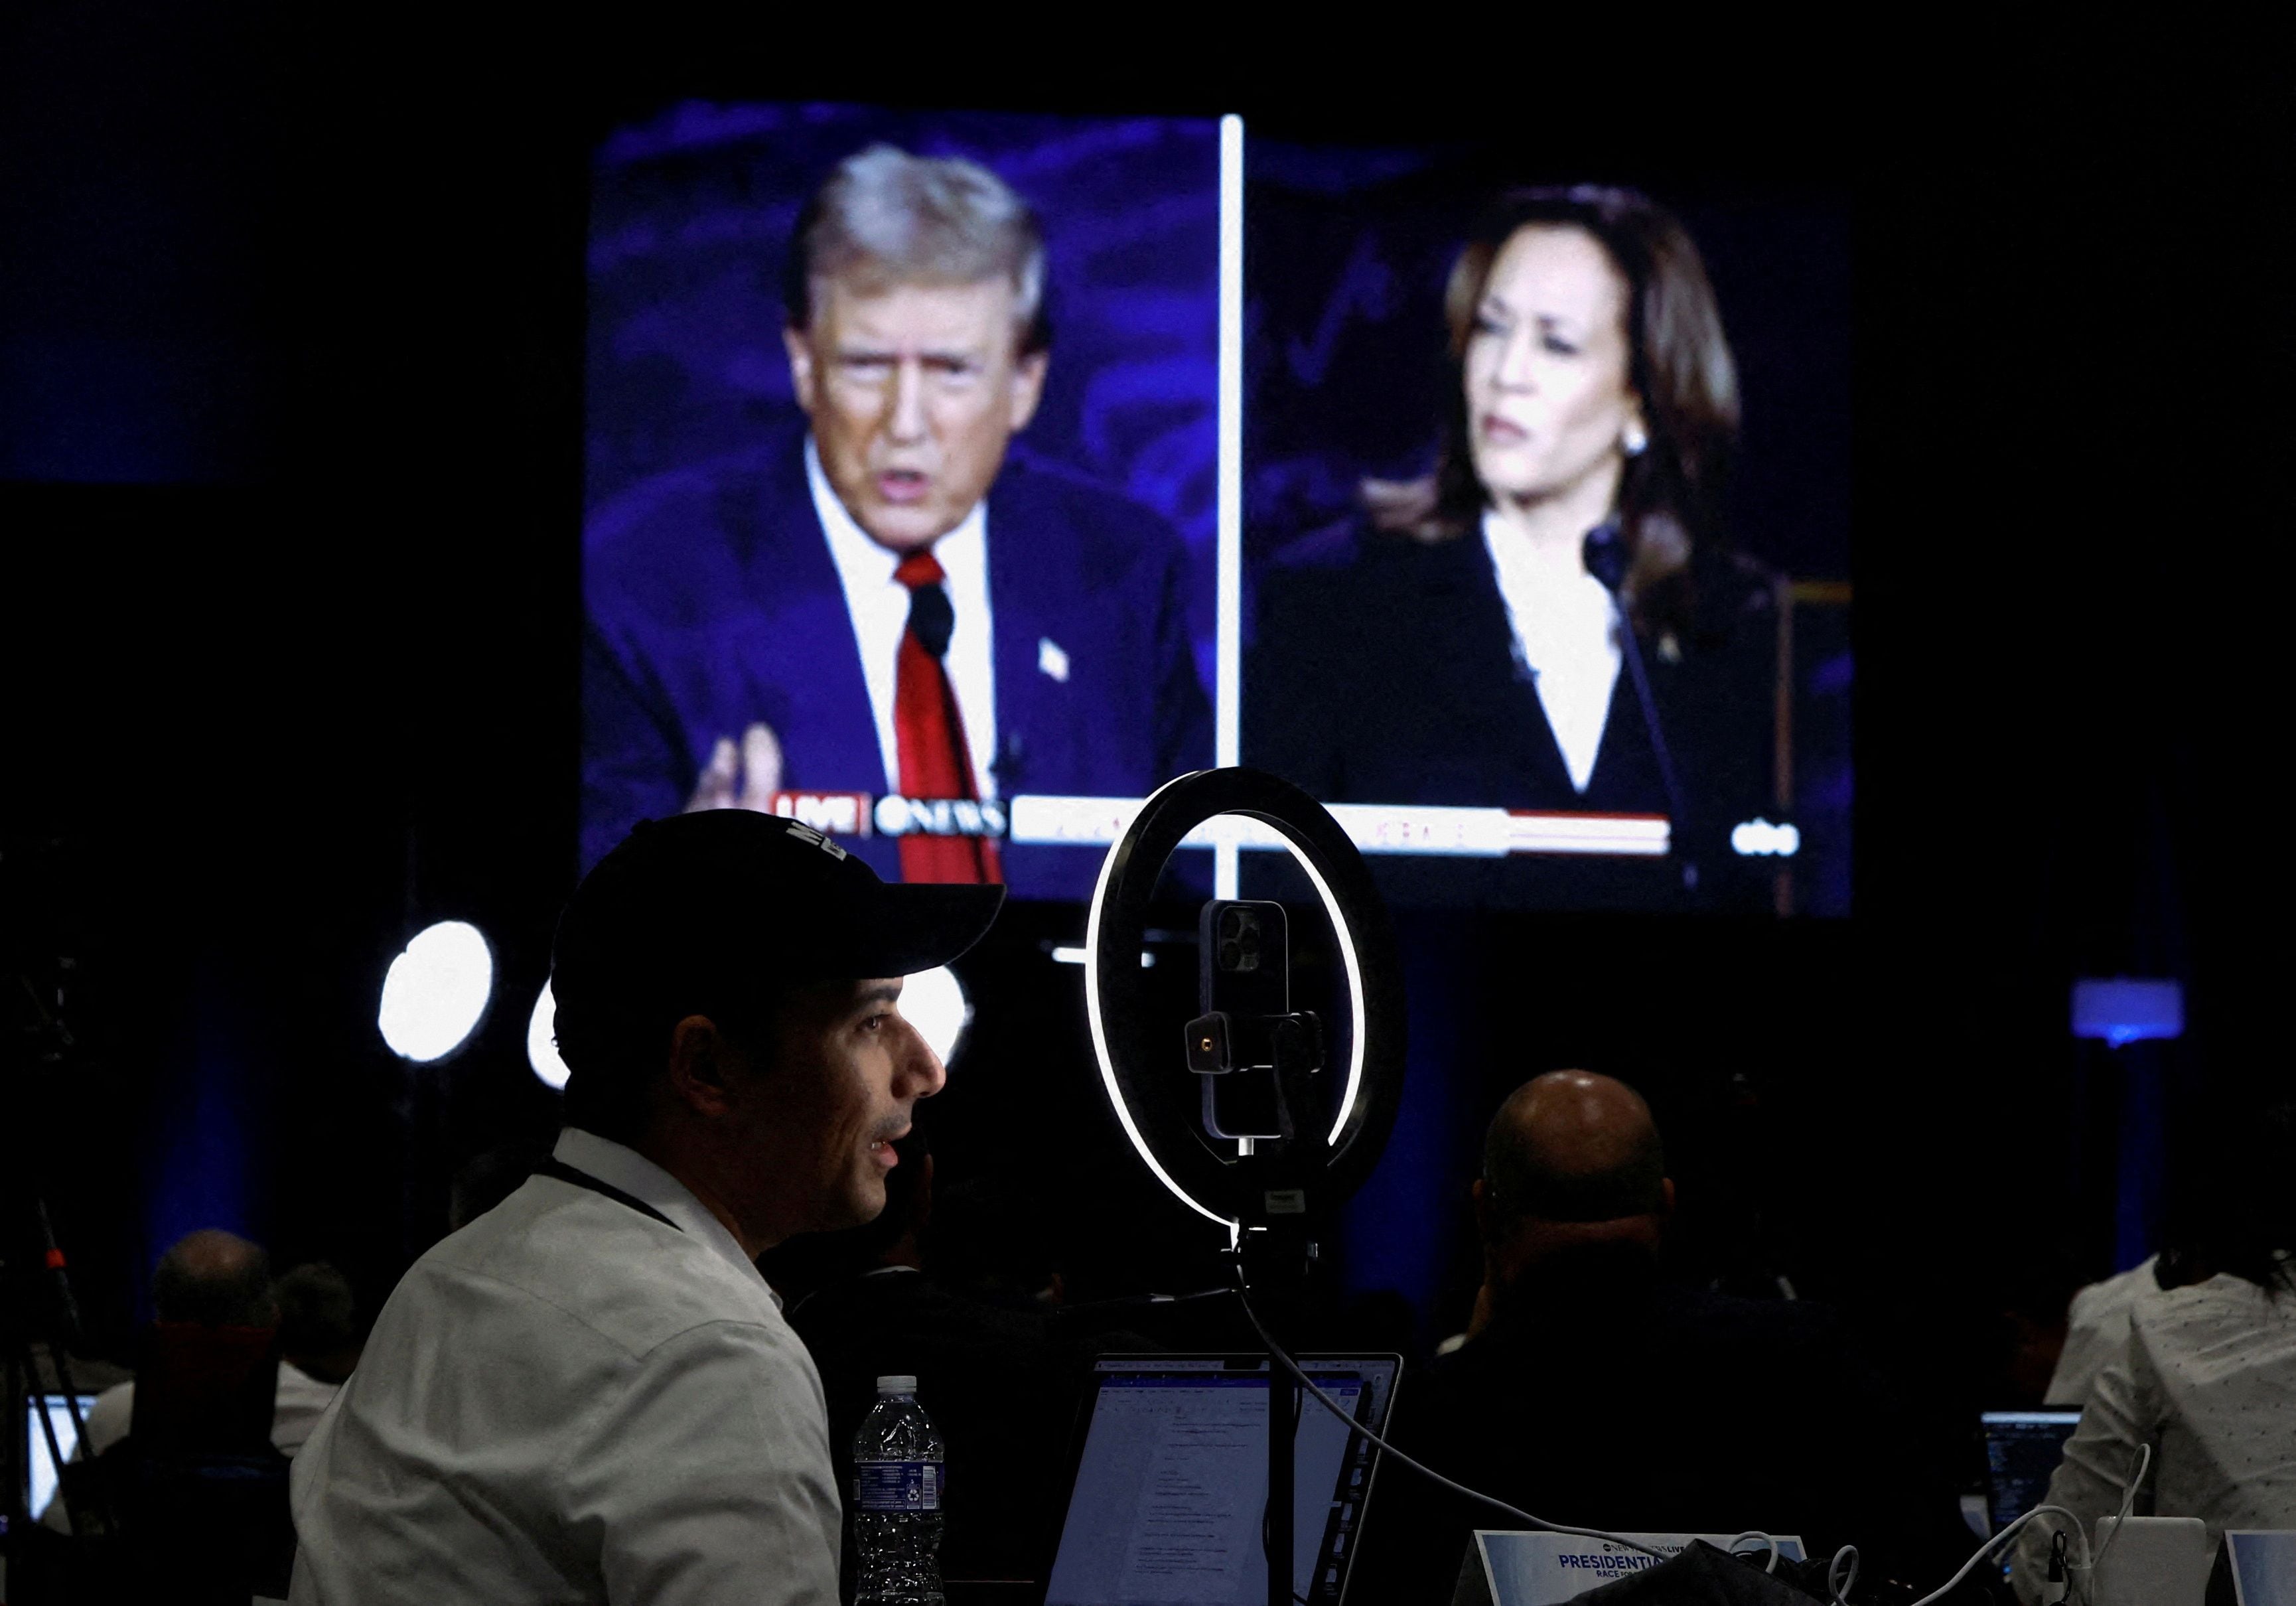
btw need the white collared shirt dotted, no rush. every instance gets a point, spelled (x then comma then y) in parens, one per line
(2207, 1377)
(879, 606)
(1565, 635)
(2096, 1330)
(568, 1400)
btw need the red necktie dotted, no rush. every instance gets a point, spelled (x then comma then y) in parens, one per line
(930, 732)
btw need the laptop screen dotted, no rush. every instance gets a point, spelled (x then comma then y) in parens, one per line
(2021, 1451)
(42, 1480)
(1171, 1481)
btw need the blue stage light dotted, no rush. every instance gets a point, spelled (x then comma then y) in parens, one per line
(2123, 1009)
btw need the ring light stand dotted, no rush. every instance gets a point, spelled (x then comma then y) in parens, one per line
(1312, 1147)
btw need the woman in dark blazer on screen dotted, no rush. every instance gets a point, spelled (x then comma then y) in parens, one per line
(1453, 647)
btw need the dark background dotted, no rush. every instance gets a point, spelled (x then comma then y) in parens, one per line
(291, 384)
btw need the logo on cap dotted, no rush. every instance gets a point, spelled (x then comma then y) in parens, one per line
(807, 833)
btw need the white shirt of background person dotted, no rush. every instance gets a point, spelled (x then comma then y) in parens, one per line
(297, 1406)
(2207, 1377)
(2096, 1330)
(1553, 417)
(879, 605)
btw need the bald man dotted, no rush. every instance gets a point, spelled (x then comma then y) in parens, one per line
(1572, 1165)
(1594, 1392)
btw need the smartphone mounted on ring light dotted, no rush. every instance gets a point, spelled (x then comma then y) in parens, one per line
(1252, 1054)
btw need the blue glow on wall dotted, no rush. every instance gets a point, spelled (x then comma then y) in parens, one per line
(1396, 1225)
(202, 1155)
(2124, 1010)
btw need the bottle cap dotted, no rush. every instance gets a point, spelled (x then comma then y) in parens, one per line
(896, 1385)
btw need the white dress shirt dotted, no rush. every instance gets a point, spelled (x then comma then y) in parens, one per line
(300, 1401)
(566, 1401)
(2208, 1379)
(1564, 634)
(879, 605)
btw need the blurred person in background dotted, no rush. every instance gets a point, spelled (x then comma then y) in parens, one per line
(2204, 1375)
(1592, 1392)
(190, 1458)
(319, 1346)
(214, 1279)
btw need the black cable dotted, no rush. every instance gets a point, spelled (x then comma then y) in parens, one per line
(1277, 1355)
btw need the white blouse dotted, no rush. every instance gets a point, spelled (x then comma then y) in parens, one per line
(1565, 635)
(2208, 1377)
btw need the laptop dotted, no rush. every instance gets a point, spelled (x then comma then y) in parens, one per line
(1168, 1486)
(2261, 1564)
(2021, 1452)
(41, 1482)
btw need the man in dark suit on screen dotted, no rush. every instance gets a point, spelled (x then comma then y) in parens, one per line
(882, 603)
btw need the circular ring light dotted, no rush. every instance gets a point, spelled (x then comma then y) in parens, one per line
(436, 993)
(1158, 1102)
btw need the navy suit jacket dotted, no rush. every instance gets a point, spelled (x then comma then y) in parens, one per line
(713, 604)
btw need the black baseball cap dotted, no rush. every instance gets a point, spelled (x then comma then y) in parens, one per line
(730, 900)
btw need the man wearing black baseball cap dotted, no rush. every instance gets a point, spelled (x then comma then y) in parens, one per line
(589, 1393)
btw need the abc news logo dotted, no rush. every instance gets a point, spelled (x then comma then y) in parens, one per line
(854, 813)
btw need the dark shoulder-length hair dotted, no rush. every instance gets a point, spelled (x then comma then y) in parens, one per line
(1670, 494)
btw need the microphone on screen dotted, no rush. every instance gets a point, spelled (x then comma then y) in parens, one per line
(1605, 555)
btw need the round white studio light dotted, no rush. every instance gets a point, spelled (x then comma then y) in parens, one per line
(542, 1042)
(436, 992)
(934, 1003)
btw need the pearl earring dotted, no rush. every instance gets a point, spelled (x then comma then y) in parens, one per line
(1632, 441)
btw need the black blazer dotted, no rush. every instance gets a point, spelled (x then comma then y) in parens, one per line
(1384, 671)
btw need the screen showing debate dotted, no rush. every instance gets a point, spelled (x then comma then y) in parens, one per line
(902, 510)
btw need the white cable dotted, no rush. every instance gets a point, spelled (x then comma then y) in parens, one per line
(2128, 1504)
(1340, 1411)
(2007, 1533)
(1756, 1533)
(1836, 1585)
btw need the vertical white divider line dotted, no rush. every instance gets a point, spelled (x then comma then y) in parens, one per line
(1227, 694)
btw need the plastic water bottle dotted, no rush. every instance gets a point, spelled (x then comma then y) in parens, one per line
(897, 1460)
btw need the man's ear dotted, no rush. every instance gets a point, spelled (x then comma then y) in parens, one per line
(1027, 388)
(698, 1054)
(1666, 1199)
(798, 344)
(1482, 1197)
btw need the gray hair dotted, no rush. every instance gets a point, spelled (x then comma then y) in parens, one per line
(909, 220)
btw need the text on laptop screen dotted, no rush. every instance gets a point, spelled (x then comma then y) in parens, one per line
(2021, 1452)
(1173, 1486)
